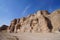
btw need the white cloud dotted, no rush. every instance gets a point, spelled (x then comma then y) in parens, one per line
(25, 10)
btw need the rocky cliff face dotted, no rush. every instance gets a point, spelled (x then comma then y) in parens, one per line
(55, 20)
(42, 21)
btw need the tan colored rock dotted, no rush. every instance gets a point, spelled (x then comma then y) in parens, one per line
(41, 21)
(12, 25)
(22, 21)
(18, 20)
(34, 25)
(45, 13)
(55, 19)
(17, 27)
(25, 28)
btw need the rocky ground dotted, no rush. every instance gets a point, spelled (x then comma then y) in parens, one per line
(6, 36)
(29, 36)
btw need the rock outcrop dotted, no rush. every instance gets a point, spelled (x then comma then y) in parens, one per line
(55, 20)
(42, 21)
(3, 27)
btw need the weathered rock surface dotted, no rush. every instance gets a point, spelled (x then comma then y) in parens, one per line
(55, 20)
(42, 21)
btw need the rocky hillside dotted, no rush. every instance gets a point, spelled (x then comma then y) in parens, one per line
(3, 28)
(41, 21)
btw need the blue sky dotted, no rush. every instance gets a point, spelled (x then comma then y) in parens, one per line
(10, 9)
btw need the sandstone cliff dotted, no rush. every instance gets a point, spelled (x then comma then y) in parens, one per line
(42, 21)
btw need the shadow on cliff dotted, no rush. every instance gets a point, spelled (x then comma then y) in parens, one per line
(49, 24)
